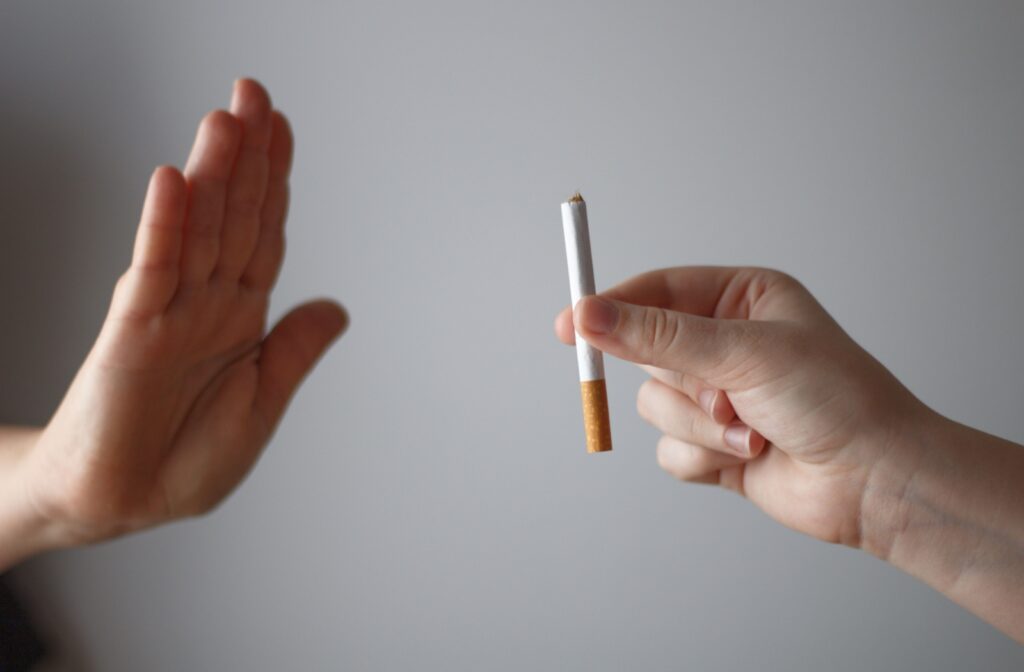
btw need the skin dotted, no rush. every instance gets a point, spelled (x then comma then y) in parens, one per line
(184, 385)
(757, 389)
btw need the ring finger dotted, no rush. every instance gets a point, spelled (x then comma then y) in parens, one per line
(676, 415)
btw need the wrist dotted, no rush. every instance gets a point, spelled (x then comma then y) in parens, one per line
(889, 497)
(23, 530)
(945, 507)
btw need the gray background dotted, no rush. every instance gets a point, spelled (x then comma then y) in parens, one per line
(427, 503)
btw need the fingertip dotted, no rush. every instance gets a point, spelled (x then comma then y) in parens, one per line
(216, 146)
(291, 350)
(342, 320)
(220, 121)
(757, 443)
(743, 439)
(220, 130)
(332, 316)
(168, 181)
(563, 327)
(722, 411)
(247, 90)
(596, 315)
(250, 103)
(166, 198)
(167, 172)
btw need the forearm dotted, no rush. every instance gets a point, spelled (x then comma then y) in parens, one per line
(22, 532)
(947, 506)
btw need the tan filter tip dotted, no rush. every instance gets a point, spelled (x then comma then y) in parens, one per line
(595, 416)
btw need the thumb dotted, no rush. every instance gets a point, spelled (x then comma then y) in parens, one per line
(708, 348)
(291, 349)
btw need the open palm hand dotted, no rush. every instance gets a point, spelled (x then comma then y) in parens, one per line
(184, 388)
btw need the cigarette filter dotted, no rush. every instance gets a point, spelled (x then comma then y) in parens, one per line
(591, 363)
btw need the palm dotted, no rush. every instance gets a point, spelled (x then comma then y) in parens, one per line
(204, 361)
(184, 387)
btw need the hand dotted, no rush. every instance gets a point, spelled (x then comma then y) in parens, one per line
(739, 357)
(183, 387)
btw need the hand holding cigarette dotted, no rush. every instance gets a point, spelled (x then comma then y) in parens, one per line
(756, 388)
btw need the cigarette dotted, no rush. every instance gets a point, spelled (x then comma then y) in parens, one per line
(591, 363)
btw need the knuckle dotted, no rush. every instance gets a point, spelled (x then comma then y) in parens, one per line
(248, 194)
(774, 279)
(122, 305)
(766, 274)
(753, 284)
(245, 205)
(661, 333)
(653, 326)
(694, 426)
(686, 383)
(769, 273)
(784, 280)
(122, 284)
(158, 270)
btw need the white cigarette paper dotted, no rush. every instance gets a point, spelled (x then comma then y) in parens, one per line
(590, 359)
(581, 279)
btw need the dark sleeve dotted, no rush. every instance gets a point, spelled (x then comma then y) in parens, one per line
(20, 648)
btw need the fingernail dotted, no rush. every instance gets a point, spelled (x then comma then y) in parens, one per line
(757, 443)
(599, 315)
(707, 401)
(737, 437)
